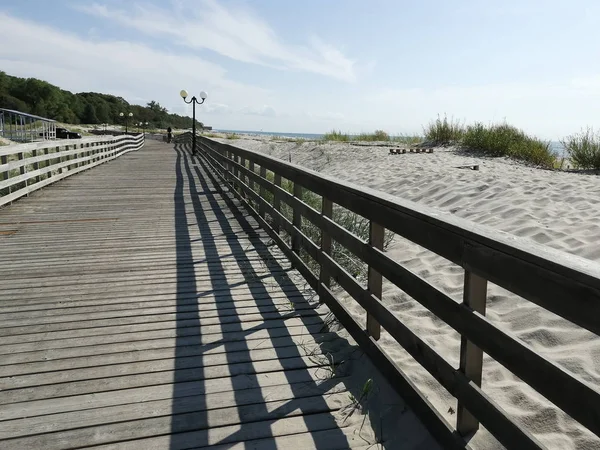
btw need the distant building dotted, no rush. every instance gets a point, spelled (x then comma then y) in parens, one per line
(22, 127)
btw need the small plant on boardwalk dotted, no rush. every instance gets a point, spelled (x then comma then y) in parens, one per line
(506, 140)
(584, 149)
(360, 402)
(443, 131)
(335, 135)
(232, 136)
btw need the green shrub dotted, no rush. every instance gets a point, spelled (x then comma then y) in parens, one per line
(506, 140)
(584, 149)
(377, 135)
(408, 140)
(336, 135)
(443, 131)
(232, 136)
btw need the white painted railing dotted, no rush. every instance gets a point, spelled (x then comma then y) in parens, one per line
(25, 168)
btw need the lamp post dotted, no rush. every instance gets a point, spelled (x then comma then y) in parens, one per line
(127, 117)
(194, 101)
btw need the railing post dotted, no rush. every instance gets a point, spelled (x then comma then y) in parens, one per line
(5, 175)
(250, 180)
(297, 219)
(276, 199)
(326, 211)
(236, 173)
(242, 177)
(36, 165)
(23, 169)
(471, 356)
(263, 192)
(48, 162)
(375, 281)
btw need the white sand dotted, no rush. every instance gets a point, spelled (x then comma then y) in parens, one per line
(551, 208)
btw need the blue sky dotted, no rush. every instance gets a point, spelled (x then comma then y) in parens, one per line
(315, 65)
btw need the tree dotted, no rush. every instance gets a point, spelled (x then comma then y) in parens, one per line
(89, 114)
(44, 99)
(103, 112)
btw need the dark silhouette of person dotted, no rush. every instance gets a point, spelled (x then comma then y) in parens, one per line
(169, 134)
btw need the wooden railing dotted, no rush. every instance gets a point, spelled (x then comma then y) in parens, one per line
(564, 284)
(25, 168)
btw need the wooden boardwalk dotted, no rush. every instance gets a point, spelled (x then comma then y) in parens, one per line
(140, 308)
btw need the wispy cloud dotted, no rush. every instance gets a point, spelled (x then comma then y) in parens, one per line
(237, 33)
(133, 71)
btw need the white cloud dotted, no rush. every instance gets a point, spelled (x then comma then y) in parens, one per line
(236, 33)
(136, 72)
(266, 111)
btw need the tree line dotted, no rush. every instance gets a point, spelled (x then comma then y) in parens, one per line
(33, 96)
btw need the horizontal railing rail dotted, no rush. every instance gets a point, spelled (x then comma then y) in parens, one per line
(25, 168)
(567, 285)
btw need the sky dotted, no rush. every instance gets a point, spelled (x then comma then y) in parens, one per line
(314, 65)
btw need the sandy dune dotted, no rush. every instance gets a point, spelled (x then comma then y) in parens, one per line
(560, 210)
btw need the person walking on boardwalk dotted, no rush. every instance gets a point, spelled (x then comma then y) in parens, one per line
(169, 134)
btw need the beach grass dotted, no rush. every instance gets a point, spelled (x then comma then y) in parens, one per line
(407, 139)
(376, 136)
(232, 136)
(583, 149)
(444, 131)
(335, 135)
(506, 140)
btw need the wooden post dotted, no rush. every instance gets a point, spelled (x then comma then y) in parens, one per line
(47, 163)
(250, 180)
(243, 177)
(326, 211)
(5, 175)
(36, 165)
(471, 356)
(276, 199)
(263, 192)
(297, 219)
(375, 281)
(236, 171)
(23, 169)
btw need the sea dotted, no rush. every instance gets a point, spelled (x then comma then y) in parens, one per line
(308, 136)
(557, 148)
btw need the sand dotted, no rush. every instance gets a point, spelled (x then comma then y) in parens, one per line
(557, 209)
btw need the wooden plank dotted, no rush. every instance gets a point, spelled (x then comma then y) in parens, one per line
(161, 404)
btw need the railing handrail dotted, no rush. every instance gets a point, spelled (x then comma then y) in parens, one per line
(565, 284)
(42, 163)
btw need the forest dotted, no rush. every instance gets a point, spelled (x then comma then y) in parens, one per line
(41, 98)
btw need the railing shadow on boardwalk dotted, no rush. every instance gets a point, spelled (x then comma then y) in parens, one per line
(194, 182)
